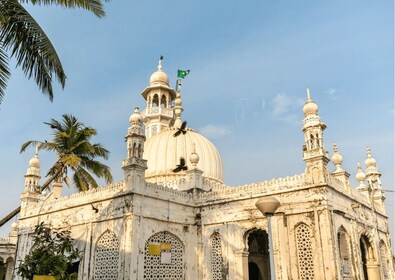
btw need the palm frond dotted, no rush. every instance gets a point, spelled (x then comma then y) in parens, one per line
(31, 47)
(99, 169)
(94, 6)
(4, 71)
(30, 143)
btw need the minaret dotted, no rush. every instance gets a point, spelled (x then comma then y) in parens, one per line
(30, 194)
(134, 165)
(314, 153)
(340, 173)
(160, 97)
(373, 177)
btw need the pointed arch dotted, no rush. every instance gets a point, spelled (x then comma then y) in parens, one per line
(155, 100)
(164, 255)
(107, 256)
(257, 246)
(304, 250)
(216, 259)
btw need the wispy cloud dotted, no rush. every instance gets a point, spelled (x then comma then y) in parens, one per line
(215, 131)
(283, 108)
(332, 93)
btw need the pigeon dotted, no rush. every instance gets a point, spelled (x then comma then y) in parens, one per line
(181, 166)
(181, 129)
(94, 208)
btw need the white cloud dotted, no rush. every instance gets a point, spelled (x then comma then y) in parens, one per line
(214, 131)
(284, 109)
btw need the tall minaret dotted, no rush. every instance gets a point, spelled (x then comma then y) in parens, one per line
(134, 165)
(160, 97)
(314, 153)
(30, 194)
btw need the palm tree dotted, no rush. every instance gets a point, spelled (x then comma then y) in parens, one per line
(71, 143)
(23, 38)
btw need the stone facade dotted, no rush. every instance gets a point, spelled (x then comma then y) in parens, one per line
(196, 227)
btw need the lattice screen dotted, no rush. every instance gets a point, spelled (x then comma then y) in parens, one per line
(216, 256)
(155, 268)
(107, 256)
(305, 252)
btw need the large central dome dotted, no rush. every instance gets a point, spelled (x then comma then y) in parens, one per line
(163, 152)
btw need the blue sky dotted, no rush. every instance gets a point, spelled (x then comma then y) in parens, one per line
(250, 66)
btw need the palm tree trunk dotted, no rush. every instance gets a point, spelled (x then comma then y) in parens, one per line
(10, 216)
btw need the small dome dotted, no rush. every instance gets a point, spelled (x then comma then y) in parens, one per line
(35, 161)
(14, 226)
(163, 152)
(136, 117)
(360, 176)
(310, 108)
(159, 77)
(370, 161)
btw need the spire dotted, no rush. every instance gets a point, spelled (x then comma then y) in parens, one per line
(308, 94)
(32, 176)
(314, 153)
(134, 165)
(160, 63)
(159, 97)
(360, 176)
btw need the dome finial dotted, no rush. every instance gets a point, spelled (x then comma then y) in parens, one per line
(370, 161)
(178, 110)
(310, 108)
(337, 158)
(160, 63)
(194, 157)
(308, 94)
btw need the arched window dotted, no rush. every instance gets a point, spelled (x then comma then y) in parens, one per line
(343, 243)
(164, 257)
(155, 101)
(107, 257)
(304, 252)
(163, 101)
(216, 256)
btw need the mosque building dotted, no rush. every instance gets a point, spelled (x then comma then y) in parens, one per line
(173, 217)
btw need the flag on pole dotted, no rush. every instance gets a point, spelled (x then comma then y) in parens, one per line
(182, 73)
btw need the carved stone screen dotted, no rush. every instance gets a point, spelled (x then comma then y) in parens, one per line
(344, 254)
(107, 256)
(164, 257)
(384, 260)
(216, 257)
(305, 254)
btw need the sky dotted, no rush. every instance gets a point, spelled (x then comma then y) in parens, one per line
(250, 65)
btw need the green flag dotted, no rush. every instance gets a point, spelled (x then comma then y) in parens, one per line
(182, 73)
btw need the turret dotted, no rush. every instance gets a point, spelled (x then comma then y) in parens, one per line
(30, 194)
(314, 153)
(134, 165)
(158, 113)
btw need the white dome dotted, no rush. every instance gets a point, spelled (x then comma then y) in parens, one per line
(163, 152)
(34, 162)
(159, 78)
